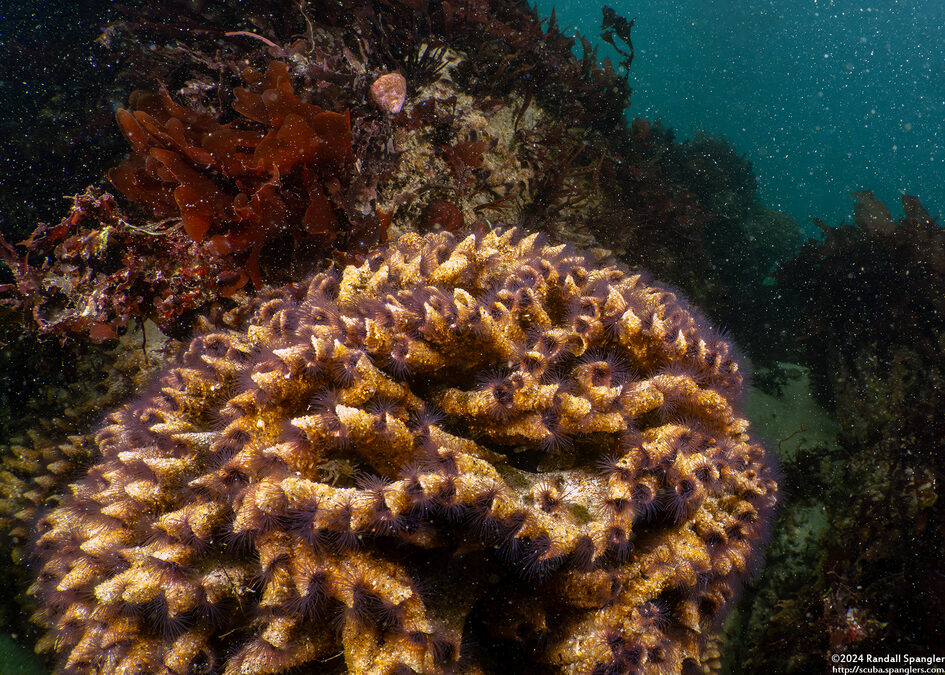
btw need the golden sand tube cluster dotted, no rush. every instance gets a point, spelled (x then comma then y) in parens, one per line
(458, 454)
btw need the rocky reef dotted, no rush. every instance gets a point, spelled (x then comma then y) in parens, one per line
(458, 454)
(856, 565)
(266, 149)
(476, 450)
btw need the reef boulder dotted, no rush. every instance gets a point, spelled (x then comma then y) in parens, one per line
(459, 454)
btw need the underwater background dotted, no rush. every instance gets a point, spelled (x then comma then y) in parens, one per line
(823, 97)
(777, 163)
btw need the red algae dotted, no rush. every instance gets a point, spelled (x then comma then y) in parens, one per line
(239, 187)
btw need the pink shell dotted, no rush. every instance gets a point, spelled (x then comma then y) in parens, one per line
(389, 92)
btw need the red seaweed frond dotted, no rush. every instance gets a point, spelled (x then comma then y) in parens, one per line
(280, 168)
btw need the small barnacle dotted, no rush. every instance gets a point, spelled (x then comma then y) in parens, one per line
(337, 471)
(547, 497)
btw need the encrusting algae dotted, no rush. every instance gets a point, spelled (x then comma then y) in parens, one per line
(459, 454)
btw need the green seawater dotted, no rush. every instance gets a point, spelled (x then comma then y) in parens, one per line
(825, 97)
(17, 660)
